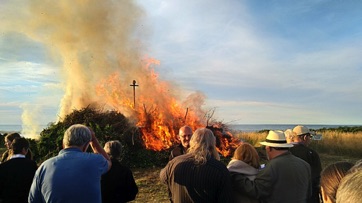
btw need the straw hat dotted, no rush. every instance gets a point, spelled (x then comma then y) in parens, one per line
(276, 139)
(300, 130)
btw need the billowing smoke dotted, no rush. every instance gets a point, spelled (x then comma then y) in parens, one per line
(98, 45)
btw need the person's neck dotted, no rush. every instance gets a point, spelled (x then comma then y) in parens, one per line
(74, 147)
(278, 153)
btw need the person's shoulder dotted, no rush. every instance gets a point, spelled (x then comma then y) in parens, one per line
(300, 161)
(95, 157)
(178, 149)
(217, 164)
(30, 162)
(312, 151)
(298, 145)
(117, 164)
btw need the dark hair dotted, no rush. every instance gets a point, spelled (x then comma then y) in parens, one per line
(19, 144)
(12, 136)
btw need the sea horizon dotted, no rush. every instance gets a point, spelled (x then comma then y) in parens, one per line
(236, 127)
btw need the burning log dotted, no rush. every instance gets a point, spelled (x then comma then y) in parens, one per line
(225, 142)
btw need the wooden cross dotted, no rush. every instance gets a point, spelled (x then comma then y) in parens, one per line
(134, 93)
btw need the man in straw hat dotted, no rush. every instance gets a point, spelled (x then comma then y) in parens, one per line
(302, 136)
(285, 178)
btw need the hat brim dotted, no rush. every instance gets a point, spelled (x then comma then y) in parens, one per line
(286, 145)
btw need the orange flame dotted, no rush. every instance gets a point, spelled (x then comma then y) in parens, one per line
(157, 111)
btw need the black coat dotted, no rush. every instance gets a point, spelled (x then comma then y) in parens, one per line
(16, 176)
(118, 184)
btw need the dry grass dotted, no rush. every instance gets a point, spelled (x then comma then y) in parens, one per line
(339, 143)
(332, 142)
(149, 185)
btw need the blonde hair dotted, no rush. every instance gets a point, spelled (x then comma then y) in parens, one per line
(248, 154)
(349, 190)
(203, 146)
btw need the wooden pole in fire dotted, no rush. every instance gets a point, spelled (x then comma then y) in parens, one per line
(134, 93)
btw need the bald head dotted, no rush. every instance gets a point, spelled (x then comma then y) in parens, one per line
(185, 134)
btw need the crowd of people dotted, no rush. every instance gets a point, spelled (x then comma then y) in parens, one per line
(71, 176)
(194, 172)
(293, 172)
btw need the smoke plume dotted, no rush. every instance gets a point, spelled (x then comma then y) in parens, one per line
(98, 45)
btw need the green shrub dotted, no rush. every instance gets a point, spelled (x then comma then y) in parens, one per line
(110, 125)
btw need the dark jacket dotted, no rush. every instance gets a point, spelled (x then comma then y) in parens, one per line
(16, 176)
(118, 184)
(6, 154)
(188, 182)
(285, 178)
(177, 151)
(312, 158)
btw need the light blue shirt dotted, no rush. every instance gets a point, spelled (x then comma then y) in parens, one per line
(72, 176)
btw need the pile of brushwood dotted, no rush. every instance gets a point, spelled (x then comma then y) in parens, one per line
(109, 125)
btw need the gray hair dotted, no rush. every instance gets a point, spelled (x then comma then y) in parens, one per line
(113, 148)
(77, 135)
(203, 145)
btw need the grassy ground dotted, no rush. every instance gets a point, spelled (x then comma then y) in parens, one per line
(149, 185)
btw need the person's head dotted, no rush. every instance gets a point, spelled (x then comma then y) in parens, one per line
(9, 138)
(302, 134)
(349, 190)
(275, 144)
(248, 154)
(331, 176)
(77, 135)
(113, 149)
(203, 145)
(289, 135)
(19, 146)
(185, 134)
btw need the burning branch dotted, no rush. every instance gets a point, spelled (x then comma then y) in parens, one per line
(209, 115)
(187, 110)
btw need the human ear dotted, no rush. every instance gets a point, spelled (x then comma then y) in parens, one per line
(324, 196)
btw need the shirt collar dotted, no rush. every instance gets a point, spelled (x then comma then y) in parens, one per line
(17, 156)
(70, 149)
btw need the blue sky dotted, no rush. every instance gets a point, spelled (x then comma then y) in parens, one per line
(257, 62)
